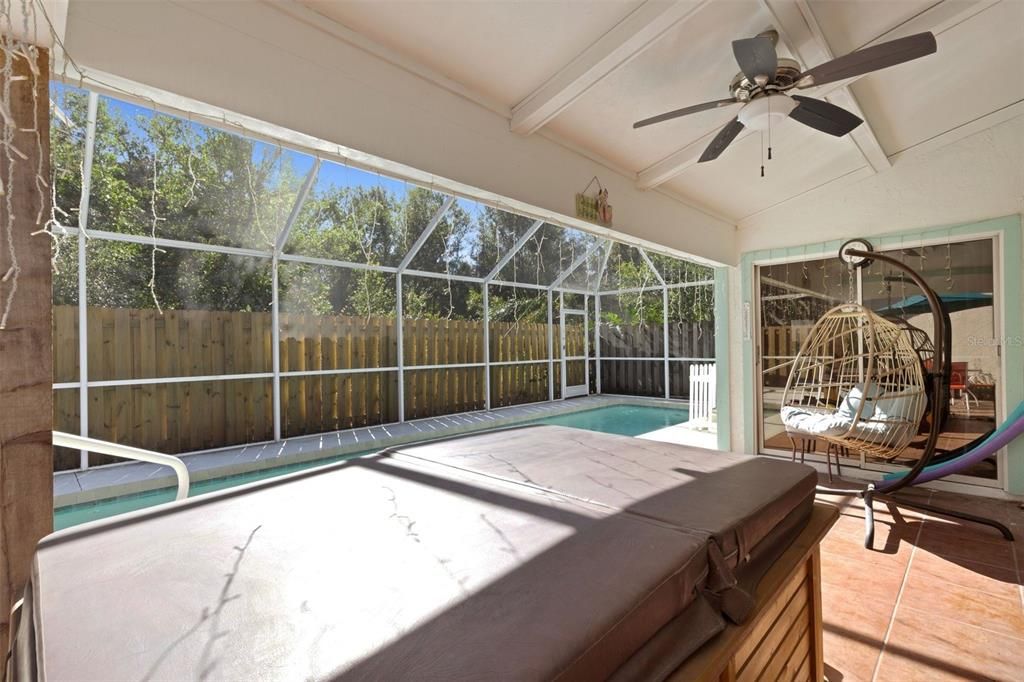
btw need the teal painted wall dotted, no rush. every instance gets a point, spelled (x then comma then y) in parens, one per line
(1007, 230)
(722, 358)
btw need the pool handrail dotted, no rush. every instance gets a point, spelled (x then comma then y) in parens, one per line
(102, 447)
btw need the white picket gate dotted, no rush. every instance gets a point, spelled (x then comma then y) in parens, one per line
(702, 394)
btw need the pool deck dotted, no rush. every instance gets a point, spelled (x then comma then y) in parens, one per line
(128, 478)
(684, 434)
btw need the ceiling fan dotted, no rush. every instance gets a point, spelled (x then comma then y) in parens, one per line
(765, 78)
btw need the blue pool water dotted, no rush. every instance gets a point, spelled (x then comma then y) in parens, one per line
(626, 420)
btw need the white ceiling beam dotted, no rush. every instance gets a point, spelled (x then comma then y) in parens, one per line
(396, 58)
(627, 39)
(989, 120)
(938, 18)
(679, 160)
(799, 28)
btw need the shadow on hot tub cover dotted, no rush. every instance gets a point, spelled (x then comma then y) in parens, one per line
(410, 565)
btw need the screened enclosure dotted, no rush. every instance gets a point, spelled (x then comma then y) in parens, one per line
(212, 290)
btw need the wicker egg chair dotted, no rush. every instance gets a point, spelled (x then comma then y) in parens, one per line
(857, 382)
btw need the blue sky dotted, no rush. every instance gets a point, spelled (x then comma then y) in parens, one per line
(332, 174)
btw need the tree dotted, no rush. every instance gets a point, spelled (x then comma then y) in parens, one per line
(158, 173)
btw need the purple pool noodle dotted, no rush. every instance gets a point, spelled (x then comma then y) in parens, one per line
(986, 449)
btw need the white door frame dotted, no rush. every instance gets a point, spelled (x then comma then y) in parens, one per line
(584, 388)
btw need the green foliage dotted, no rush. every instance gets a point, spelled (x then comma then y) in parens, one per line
(208, 186)
(627, 269)
(197, 184)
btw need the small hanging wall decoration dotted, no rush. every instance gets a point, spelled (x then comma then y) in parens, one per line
(594, 207)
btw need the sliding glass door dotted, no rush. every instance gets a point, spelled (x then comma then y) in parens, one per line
(794, 294)
(962, 274)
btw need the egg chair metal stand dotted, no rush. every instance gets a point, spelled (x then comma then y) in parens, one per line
(932, 378)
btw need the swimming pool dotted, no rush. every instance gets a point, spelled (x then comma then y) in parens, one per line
(626, 420)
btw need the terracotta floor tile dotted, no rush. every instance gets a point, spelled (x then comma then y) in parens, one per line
(890, 538)
(1001, 510)
(960, 614)
(994, 580)
(859, 580)
(845, 505)
(925, 646)
(885, 513)
(974, 529)
(960, 542)
(851, 555)
(998, 612)
(851, 529)
(854, 631)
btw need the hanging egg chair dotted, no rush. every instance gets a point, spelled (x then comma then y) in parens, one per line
(857, 382)
(862, 382)
(921, 342)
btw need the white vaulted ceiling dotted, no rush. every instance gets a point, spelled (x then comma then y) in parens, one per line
(583, 72)
(503, 49)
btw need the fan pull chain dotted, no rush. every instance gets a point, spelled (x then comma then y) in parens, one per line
(769, 128)
(762, 153)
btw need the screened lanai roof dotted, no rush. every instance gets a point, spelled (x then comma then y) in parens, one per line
(214, 289)
(271, 200)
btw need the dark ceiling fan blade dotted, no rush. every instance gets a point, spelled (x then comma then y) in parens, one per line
(722, 140)
(824, 116)
(870, 59)
(756, 57)
(684, 111)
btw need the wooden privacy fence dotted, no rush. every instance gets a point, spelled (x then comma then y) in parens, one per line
(780, 344)
(126, 344)
(647, 377)
(129, 344)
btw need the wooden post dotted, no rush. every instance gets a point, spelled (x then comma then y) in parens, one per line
(26, 372)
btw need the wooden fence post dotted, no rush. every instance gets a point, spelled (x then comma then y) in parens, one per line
(26, 370)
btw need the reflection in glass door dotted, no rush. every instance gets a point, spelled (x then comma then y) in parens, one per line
(962, 275)
(793, 295)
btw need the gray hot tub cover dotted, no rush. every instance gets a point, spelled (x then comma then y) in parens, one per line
(530, 553)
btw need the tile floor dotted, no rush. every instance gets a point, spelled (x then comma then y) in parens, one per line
(937, 599)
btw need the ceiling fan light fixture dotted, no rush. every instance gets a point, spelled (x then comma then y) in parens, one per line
(761, 112)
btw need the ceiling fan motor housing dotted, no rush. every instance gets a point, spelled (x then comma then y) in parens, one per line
(787, 73)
